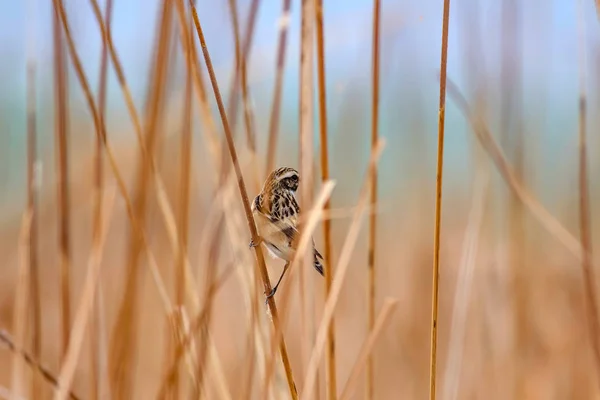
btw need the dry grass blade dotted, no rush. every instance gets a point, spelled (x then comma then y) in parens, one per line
(184, 206)
(240, 78)
(62, 183)
(341, 268)
(585, 216)
(33, 183)
(20, 310)
(284, 23)
(305, 156)
(370, 388)
(86, 303)
(330, 360)
(241, 72)
(123, 346)
(165, 208)
(174, 326)
(186, 37)
(462, 292)
(201, 319)
(244, 196)
(551, 224)
(175, 236)
(186, 340)
(31, 361)
(99, 190)
(100, 130)
(304, 240)
(225, 166)
(386, 312)
(438, 201)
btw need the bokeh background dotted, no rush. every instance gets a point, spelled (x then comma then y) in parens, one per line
(512, 305)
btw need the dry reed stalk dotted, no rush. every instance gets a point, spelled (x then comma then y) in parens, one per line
(213, 253)
(103, 385)
(31, 361)
(163, 202)
(186, 35)
(584, 203)
(33, 185)
(244, 197)
(199, 321)
(97, 217)
(305, 155)
(165, 208)
(175, 327)
(341, 269)
(249, 281)
(241, 71)
(213, 261)
(462, 292)
(21, 305)
(184, 343)
(182, 325)
(123, 347)
(184, 203)
(61, 128)
(239, 78)
(438, 202)
(86, 302)
(98, 120)
(370, 387)
(305, 238)
(284, 23)
(367, 348)
(327, 256)
(511, 139)
(243, 74)
(550, 223)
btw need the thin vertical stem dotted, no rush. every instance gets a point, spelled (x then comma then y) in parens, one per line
(62, 182)
(246, 203)
(584, 205)
(276, 102)
(240, 79)
(241, 67)
(305, 150)
(99, 192)
(182, 219)
(33, 362)
(330, 360)
(512, 142)
(373, 216)
(241, 53)
(32, 194)
(438, 201)
(122, 344)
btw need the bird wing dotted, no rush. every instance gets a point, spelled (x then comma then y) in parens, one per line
(284, 214)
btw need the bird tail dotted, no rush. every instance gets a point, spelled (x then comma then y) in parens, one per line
(317, 262)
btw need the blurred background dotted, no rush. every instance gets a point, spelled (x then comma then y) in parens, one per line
(513, 320)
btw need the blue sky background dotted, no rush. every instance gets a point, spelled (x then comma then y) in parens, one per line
(411, 34)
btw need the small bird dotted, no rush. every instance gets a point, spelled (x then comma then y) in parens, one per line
(276, 213)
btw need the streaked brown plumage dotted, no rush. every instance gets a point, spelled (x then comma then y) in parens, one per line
(276, 213)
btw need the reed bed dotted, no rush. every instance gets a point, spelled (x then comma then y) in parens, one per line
(126, 269)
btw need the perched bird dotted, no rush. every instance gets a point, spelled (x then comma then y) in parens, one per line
(276, 213)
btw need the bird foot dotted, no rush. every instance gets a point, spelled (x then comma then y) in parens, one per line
(271, 294)
(253, 243)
